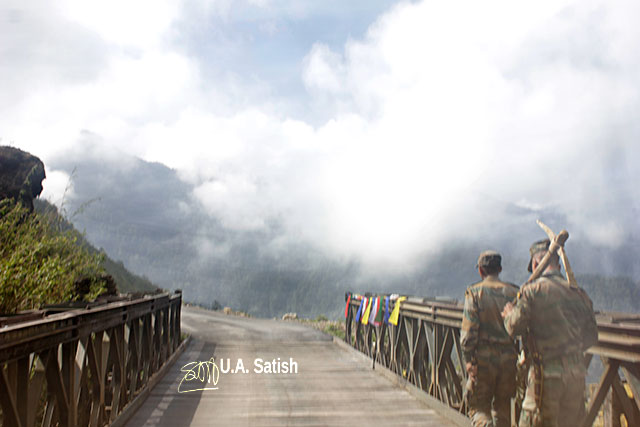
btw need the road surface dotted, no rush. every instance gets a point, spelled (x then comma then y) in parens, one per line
(332, 385)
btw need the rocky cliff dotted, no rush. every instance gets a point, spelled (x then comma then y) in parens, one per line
(21, 176)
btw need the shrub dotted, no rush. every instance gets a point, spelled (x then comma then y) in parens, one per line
(39, 263)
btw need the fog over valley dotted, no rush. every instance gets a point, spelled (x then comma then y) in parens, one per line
(271, 155)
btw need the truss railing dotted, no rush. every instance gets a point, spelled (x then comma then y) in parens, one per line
(424, 348)
(82, 367)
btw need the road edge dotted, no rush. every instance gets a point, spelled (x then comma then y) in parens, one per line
(137, 401)
(442, 409)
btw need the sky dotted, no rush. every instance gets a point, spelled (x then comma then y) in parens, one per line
(370, 127)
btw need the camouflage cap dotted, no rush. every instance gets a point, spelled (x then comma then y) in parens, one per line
(489, 259)
(539, 246)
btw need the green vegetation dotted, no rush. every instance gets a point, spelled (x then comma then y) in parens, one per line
(126, 281)
(39, 263)
(335, 329)
(331, 327)
(145, 216)
(42, 255)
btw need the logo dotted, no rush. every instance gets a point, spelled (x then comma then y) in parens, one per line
(199, 376)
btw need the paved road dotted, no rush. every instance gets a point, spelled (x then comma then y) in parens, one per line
(332, 386)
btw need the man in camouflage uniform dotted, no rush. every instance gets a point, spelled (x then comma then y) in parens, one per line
(488, 350)
(561, 324)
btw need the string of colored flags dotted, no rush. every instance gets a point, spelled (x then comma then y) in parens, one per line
(375, 310)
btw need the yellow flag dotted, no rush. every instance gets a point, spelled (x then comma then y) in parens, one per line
(367, 312)
(393, 319)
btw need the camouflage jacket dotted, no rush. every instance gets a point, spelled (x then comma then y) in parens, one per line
(559, 318)
(482, 320)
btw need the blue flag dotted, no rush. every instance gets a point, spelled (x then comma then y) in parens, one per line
(386, 310)
(359, 313)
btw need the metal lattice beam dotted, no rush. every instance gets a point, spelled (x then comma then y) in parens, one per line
(82, 367)
(425, 349)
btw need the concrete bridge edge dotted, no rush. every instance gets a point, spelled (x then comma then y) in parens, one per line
(137, 402)
(445, 411)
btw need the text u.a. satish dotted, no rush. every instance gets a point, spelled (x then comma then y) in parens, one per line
(260, 366)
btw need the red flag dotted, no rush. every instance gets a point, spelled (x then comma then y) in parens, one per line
(346, 309)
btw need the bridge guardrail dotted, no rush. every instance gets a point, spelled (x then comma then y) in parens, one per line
(424, 348)
(81, 367)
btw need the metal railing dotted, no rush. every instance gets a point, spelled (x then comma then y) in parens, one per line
(81, 367)
(424, 348)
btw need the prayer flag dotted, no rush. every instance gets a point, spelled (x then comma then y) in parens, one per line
(374, 311)
(393, 319)
(359, 313)
(346, 309)
(367, 311)
(386, 310)
(379, 314)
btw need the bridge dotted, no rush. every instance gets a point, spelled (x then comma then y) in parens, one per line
(332, 386)
(127, 363)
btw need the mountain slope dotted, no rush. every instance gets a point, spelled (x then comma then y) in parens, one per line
(146, 216)
(125, 280)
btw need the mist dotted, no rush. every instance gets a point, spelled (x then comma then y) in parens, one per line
(434, 125)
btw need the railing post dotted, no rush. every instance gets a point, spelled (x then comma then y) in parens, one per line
(165, 334)
(69, 374)
(8, 400)
(157, 337)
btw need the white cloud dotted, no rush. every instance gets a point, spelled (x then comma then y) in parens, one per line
(140, 24)
(128, 92)
(323, 69)
(235, 201)
(57, 187)
(511, 104)
(439, 100)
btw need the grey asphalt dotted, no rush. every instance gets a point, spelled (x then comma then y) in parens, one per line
(333, 386)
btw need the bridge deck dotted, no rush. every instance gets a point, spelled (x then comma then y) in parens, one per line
(332, 387)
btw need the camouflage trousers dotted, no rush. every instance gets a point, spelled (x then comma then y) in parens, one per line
(563, 395)
(490, 399)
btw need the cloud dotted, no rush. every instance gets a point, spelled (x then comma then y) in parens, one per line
(323, 69)
(521, 105)
(533, 105)
(57, 186)
(235, 201)
(141, 24)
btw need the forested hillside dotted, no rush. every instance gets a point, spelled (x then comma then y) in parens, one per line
(145, 215)
(39, 263)
(42, 257)
(125, 280)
